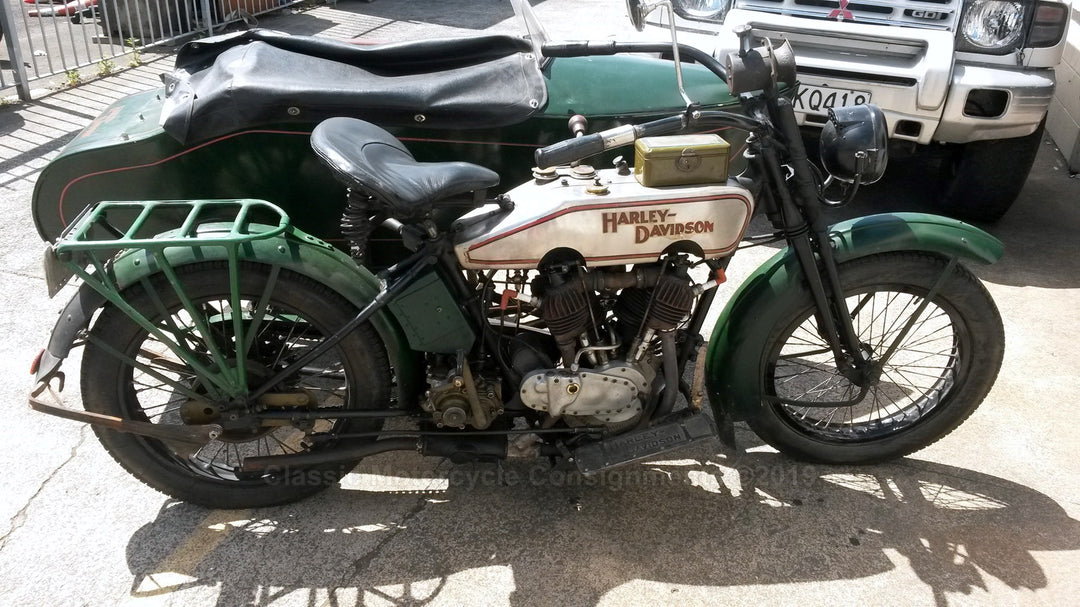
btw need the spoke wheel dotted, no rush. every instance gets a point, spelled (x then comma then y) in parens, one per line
(130, 373)
(937, 374)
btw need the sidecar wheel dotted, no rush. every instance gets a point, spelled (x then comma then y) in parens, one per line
(935, 379)
(298, 313)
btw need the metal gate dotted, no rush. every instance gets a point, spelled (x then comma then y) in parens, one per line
(43, 38)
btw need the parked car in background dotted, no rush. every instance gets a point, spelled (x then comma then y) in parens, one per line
(966, 83)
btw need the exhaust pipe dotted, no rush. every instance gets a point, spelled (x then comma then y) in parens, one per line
(268, 463)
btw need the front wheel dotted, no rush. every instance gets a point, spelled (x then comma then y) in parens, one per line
(128, 373)
(937, 375)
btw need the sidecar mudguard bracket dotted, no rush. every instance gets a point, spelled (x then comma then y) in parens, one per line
(292, 250)
(733, 359)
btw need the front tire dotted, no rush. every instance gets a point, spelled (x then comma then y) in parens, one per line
(938, 375)
(295, 317)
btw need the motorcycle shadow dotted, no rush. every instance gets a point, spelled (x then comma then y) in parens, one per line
(402, 530)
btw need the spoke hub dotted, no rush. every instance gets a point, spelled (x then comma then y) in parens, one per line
(863, 373)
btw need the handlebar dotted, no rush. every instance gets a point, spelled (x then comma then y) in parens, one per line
(753, 69)
(565, 152)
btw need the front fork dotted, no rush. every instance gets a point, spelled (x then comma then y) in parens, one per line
(808, 235)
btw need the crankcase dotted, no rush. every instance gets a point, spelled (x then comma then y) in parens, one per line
(611, 393)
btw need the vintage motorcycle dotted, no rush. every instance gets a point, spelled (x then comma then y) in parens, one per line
(245, 363)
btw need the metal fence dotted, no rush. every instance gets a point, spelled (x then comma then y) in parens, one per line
(43, 38)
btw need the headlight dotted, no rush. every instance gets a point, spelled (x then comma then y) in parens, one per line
(702, 10)
(991, 26)
(854, 143)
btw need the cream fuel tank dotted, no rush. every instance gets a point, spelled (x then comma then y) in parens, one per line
(608, 218)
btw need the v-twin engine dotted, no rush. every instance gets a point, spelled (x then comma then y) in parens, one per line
(607, 335)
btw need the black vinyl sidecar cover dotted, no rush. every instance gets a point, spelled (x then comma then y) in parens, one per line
(227, 83)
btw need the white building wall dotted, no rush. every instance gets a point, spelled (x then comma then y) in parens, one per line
(1063, 120)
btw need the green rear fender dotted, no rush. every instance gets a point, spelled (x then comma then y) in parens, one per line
(734, 357)
(294, 251)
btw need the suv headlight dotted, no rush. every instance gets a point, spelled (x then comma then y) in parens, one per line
(702, 10)
(991, 26)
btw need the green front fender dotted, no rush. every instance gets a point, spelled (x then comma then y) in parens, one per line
(293, 250)
(734, 357)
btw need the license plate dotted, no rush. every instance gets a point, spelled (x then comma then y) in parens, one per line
(57, 274)
(813, 99)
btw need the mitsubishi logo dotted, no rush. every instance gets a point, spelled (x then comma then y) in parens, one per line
(842, 13)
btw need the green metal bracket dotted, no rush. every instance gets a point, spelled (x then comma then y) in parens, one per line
(105, 229)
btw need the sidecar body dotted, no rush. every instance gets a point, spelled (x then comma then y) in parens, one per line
(234, 118)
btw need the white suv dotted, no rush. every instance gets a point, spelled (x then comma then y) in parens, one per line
(969, 80)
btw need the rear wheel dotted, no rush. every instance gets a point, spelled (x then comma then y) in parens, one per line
(936, 377)
(287, 314)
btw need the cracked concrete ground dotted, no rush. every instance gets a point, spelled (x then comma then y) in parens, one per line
(19, 518)
(989, 515)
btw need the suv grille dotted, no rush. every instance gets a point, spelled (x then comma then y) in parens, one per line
(926, 14)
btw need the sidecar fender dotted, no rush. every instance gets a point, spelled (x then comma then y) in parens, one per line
(734, 356)
(294, 251)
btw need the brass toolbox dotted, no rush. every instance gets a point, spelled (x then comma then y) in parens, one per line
(681, 160)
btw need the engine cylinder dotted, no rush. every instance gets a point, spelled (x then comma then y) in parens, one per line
(565, 309)
(673, 298)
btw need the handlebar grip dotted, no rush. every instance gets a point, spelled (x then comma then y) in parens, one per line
(565, 152)
(578, 48)
(664, 126)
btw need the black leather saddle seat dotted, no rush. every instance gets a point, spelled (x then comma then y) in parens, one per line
(367, 158)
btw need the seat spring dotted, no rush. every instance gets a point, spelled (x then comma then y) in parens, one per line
(356, 224)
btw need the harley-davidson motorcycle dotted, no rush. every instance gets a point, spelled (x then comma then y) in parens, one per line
(244, 362)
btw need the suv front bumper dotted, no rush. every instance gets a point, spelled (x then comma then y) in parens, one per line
(912, 76)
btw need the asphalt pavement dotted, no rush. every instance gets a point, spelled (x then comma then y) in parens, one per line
(989, 515)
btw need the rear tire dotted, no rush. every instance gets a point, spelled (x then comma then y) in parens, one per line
(354, 374)
(937, 377)
(984, 178)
